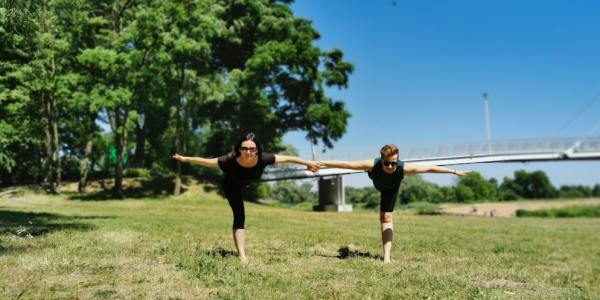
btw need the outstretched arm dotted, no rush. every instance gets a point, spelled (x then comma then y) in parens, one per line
(365, 165)
(412, 168)
(311, 166)
(205, 162)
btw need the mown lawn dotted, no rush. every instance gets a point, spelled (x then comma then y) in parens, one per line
(57, 247)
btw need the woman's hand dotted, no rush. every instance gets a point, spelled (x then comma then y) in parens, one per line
(179, 157)
(461, 173)
(312, 166)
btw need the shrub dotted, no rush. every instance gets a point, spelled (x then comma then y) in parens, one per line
(564, 212)
(136, 172)
(424, 208)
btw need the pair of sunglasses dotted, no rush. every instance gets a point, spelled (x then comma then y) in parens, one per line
(390, 163)
(251, 149)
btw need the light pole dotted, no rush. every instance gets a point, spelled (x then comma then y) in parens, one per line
(486, 104)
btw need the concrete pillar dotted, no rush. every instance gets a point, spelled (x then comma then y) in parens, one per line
(332, 195)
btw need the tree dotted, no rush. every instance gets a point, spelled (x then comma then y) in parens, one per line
(534, 185)
(415, 189)
(368, 197)
(575, 191)
(289, 191)
(276, 77)
(186, 52)
(481, 189)
(596, 190)
(120, 65)
(45, 79)
(510, 190)
(21, 127)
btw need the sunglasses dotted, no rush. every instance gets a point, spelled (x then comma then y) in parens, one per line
(251, 149)
(390, 163)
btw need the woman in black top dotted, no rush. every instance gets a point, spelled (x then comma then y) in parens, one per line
(243, 165)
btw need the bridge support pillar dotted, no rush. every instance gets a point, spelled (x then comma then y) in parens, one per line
(331, 195)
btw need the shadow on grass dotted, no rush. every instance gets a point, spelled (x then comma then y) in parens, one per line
(136, 188)
(220, 252)
(132, 193)
(29, 224)
(345, 253)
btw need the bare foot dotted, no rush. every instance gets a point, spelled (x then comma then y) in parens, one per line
(387, 260)
(243, 259)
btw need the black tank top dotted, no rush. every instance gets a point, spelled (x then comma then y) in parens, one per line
(383, 180)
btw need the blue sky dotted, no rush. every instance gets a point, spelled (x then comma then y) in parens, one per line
(421, 68)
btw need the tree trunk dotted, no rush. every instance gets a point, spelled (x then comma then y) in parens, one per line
(85, 162)
(56, 148)
(140, 146)
(118, 189)
(178, 130)
(119, 129)
(50, 145)
(177, 189)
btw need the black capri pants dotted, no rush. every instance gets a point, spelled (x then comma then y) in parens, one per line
(233, 193)
(388, 199)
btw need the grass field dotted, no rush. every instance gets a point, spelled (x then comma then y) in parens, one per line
(181, 247)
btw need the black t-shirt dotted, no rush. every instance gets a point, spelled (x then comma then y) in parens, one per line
(234, 173)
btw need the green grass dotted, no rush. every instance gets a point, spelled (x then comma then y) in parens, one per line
(54, 247)
(575, 211)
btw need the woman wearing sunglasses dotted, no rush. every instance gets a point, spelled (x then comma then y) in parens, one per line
(387, 173)
(244, 164)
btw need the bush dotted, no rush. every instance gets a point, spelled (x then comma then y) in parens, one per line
(565, 212)
(464, 193)
(507, 195)
(424, 208)
(70, 168)
(136, 172)
(367, 197)
(415, 189)
(481, 189)
(288, 191)
(575, 191)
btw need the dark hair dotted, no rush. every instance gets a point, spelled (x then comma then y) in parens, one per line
(248, 137)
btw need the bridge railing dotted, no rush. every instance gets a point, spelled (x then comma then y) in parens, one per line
(469, 149)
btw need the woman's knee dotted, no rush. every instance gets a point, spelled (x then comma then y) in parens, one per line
(386, 217)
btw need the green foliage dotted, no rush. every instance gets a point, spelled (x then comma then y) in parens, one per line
(474, 187)
(137, 173)
(575, 191)
(367, 197)
(535, 185)
(289, 191)
(564, 212)
(464, 193)
(424, 208)
(185, 76)
(596, 190)
(256, 191)
(415, 189)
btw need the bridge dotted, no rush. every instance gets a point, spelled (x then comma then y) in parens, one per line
(331, 185)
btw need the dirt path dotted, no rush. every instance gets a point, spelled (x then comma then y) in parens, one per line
(508, 209)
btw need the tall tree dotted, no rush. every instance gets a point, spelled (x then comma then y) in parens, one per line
(21, 127)
(46, 80)
(189, 79)
(121, 63)
(278, 74)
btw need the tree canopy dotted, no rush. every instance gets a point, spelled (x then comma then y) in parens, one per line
(159, 76)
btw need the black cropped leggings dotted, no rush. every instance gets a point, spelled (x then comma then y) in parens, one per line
(233, 193)
(388, 199)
